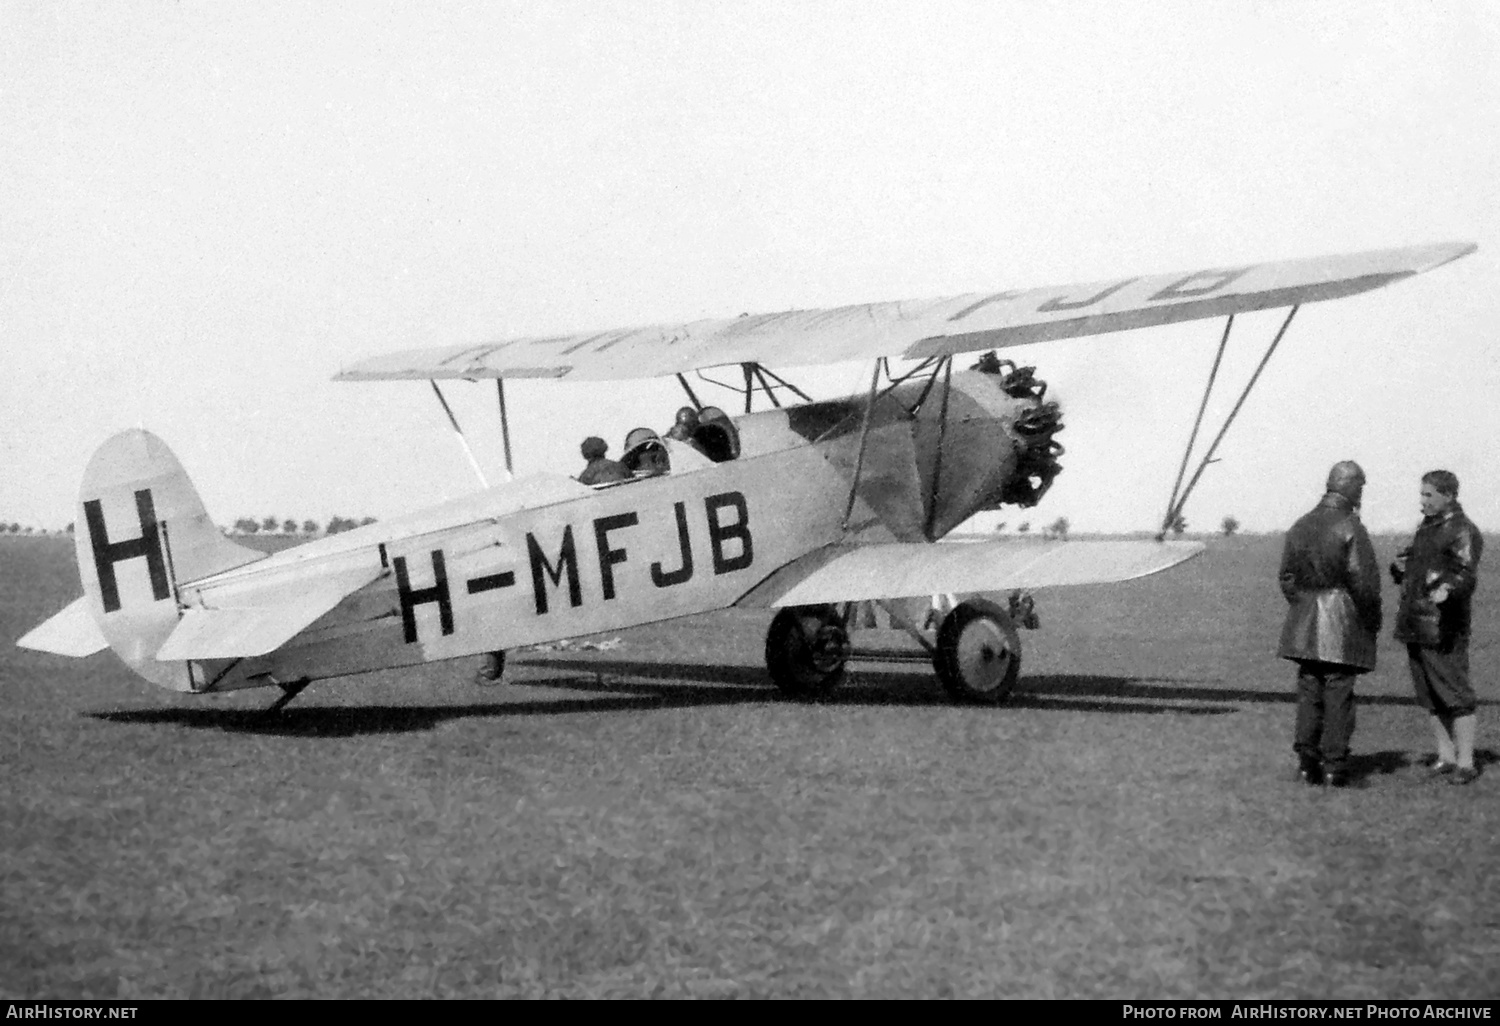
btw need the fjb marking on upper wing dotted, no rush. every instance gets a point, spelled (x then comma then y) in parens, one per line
(1210, 281)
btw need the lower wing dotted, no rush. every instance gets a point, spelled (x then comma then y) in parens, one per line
(909, 570)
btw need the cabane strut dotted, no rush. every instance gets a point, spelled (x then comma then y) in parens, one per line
(460, 433)
(755, 377)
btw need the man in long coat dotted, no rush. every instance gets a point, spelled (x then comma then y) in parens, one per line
(1438, 573)
(1330, 578)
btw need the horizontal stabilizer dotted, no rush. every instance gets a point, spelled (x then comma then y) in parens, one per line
(267, 619)
(916, 328)
(71, 632)
(910, 570)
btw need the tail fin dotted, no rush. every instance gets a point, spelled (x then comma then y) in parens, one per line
(142, 532)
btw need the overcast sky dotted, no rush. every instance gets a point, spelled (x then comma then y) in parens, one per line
(207, 209)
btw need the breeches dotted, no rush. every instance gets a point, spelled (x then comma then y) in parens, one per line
(1440, 678)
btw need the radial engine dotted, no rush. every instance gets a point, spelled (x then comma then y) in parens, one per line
(994, 445)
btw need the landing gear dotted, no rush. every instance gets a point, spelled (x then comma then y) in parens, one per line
(288, 692)
(491, 670)
(978, 652)
(806, 649)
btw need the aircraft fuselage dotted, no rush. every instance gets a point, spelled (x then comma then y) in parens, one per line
(693, 540)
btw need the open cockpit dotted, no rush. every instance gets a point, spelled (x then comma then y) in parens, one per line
(699, 437)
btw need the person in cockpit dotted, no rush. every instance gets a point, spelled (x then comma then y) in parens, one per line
(644, 455)
(600, 470)
(685, 426)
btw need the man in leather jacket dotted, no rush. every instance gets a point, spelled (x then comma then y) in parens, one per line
(1332, 582)
(1438, 573)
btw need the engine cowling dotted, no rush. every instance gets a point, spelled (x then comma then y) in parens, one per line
(934, 456)
(999, 445)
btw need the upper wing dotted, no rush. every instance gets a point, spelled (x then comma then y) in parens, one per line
(915, 329)
(909, 570)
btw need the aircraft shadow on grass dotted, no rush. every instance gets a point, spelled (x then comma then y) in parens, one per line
(674, 686)
(660, 686)
(866, 686)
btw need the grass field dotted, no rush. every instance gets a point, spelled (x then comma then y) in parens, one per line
(652, 820)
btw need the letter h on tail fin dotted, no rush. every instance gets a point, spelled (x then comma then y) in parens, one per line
(108, 553)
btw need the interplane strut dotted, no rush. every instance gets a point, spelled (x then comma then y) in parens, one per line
(1177, 503)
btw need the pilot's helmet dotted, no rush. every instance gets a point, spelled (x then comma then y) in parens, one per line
(640, 436)
(687, 417)
(593, 448)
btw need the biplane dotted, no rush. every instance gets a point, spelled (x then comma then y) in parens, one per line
(803, 508)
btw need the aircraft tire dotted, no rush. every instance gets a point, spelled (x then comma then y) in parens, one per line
(807, 648)
(491, 670)
(978, 656)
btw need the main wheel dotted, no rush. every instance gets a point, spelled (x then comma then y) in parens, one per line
(806, 649)
(491, 669)
(978, 657)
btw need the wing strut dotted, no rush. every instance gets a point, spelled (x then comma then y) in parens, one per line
(1197, 423)
(1176, 504)
(932, 361)
(937, 463)
(755, 376)
(760, 376)
(460, 433)
(941, 365)
(510, 470)
(689, 390)
(766, 372)
(864, 437)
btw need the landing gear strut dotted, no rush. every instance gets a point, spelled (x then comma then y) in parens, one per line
(978, 652)
(288, 692)
(806, 649)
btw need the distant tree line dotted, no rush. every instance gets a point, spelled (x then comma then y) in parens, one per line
(244, 525)
(1059, 528)
(15, 528)
(290, 525)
